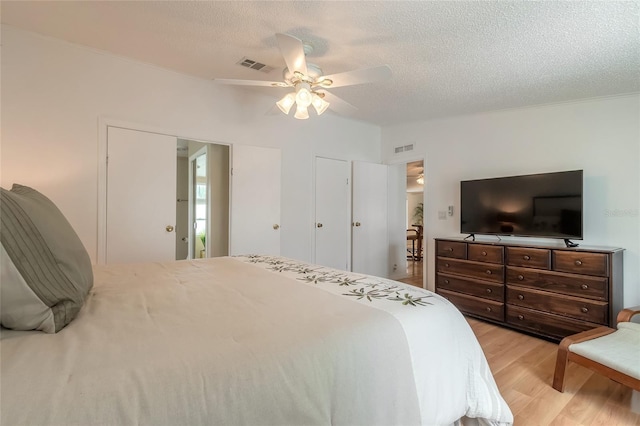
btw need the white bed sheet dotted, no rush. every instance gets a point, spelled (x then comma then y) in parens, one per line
(249, 340)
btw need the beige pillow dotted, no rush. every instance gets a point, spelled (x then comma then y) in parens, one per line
(46, 270)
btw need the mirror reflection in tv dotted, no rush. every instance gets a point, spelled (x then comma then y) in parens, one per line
(542, 205)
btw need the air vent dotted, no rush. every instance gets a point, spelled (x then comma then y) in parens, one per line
(254, 65)
(399, 149)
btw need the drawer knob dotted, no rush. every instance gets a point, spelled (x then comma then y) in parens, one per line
(484, 253)
(520, 317)
(584, 286)
(446, 281)
(489, 290)
(488, 309)
(449, 248)
(446, 265)
(526, 257)
(521, 297)
(489, 272)
(584, 310)
(578, 262)
(521, 277)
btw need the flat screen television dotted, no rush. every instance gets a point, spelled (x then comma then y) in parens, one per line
(547, 205)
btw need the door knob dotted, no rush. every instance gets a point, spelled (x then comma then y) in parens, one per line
(357, 223)
(276, 226)
(169, 228)
(319, 225)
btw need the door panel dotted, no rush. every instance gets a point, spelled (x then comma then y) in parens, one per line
(370, 246)
(255, 200)
(332, 213)
(141, 196)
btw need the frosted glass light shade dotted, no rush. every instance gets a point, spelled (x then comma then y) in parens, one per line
(301, 112)
(286, 102)
(303, 95)
(319, 104)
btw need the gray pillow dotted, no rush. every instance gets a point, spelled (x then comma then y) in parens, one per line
(46, 270)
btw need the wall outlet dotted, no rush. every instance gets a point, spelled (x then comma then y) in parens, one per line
(442, 215)
(450, 210)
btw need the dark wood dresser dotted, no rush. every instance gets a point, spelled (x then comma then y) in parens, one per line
(549, 291)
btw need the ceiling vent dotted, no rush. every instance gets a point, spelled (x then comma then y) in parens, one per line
(399, 149)
(254, 65)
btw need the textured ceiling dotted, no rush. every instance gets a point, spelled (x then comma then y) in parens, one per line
(447, 58)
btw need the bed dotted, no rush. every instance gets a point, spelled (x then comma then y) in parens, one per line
(247, 340)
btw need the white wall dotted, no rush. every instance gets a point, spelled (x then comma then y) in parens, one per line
(53, 94)
(600, 136)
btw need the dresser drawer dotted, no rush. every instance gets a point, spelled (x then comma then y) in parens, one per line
(558, 282)
(529, 257)
(477, 288)
(581, 263)
(453, 249)
(485, 253)
(550, 325)
(479, 270)
(568, 306)
(475, 305)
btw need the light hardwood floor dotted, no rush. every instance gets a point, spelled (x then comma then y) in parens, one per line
(523, 369)
(523, 366)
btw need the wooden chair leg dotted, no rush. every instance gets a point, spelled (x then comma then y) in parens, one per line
(561, 366)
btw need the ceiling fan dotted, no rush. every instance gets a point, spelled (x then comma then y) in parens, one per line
(309, 82)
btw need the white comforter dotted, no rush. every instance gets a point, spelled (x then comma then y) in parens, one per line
(253, 341)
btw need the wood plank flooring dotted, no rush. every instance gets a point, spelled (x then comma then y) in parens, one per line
(523, 367)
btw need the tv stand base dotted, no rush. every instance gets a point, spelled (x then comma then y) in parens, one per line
(472, 236)
(570, 243)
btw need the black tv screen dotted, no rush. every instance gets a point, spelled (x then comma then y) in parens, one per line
(542, 205)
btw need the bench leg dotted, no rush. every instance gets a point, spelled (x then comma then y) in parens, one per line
(561, 366)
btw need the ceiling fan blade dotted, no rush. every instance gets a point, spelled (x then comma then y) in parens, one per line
(293, 52)
(339, 105)
(251, 82)
(364, 75)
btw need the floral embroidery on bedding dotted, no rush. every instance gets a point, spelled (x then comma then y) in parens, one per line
(360, 287)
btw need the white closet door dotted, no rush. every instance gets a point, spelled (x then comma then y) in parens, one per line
(332, 213)
(141, 196)
(370, 246)
(255, 200)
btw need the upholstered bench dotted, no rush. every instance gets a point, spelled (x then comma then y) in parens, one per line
(614, 353)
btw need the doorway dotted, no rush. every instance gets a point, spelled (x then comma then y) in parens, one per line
(198, 203)
(415, 222)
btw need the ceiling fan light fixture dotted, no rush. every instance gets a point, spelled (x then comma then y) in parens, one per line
(286, 102)
(319, 104)
(301, 112)
(420, 179)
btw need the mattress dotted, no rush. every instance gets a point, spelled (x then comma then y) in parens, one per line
(250, 340)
